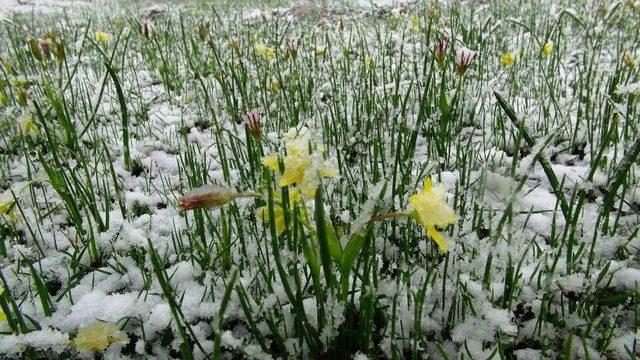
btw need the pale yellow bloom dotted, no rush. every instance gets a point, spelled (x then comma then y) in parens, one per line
(547, 49)
(304, 165)
(368, 62)
(102, 37)
(415, 23)
(278, 211)
(430, 209)
(271, 162)
(7, 209)
(320, 51)
(27, 126)
(98, 336)
(265, 51)
(507, 59)
(275, 84)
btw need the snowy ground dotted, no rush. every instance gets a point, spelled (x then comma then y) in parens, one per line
(39, 6)
(91, 228)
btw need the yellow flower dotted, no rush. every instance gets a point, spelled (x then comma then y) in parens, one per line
(98, 336)
(368, 62)
(304, 165)
(430, 210)
(102, 37)
(7, 210)
(265, 51)
(271, 162)
(278, 211)
(275, 84)
(507, 59)
(547, 49)
(27, 126)
(415, 22)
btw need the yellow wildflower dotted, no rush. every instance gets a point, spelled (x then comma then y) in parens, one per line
(368, 62)
(271, 162)
(507, 59)
(547, 49)
(275, 84)
(98, 336)
(430, 210)
(7, 209)
(278, 211)
(304, 165)
(265, 51)
(27, 126)
(102, 37)
(415, 22)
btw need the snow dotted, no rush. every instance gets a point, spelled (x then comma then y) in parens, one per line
(124, 290)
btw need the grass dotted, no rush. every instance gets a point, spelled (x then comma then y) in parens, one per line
(100, 139)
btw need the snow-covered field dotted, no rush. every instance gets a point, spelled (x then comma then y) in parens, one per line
(456, 180)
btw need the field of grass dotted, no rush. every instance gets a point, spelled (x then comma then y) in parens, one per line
(446, 180)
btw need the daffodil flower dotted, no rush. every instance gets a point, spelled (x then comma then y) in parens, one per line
(415, 23)
(302, 167)
(265, 51)
(98, 336)
(278, 211)
(102, 37)
(275, 84)
(28, 127)
(507, 59)
(7, 209)
(430, 210)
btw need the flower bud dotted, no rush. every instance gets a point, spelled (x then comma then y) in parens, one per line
(464, 58)
(252, 120)
(292, 46)
(145, 30)
(440, 52)
(59, 51)
(234, 44)
(45, 44)
(433, 11)
(22, 97)
(203, 29)
(206, 197)
(628, 60)
(35, 49)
